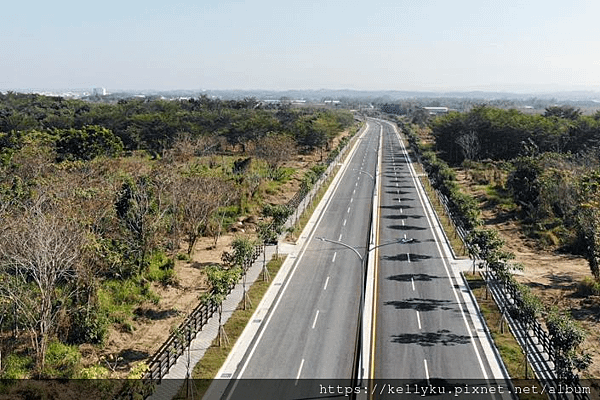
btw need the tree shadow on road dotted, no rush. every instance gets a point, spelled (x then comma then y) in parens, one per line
(407, 227)
(421, 305)
(444, 337)
(412, 277)
(405, 257)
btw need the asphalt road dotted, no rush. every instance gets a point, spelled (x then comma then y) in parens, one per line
(311, 331)
(421, 332)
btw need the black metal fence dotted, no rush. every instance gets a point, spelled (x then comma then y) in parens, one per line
(166, 356)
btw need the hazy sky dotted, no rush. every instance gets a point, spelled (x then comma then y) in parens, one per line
(502, 45)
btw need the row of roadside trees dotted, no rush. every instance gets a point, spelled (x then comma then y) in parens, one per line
(487, 245)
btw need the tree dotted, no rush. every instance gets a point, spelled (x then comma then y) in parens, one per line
(525, 184)
(275, 149)
(137, 210)
(242, 254)
(221, 281)
(566, 336)
(196, 199)
(38, 258)
(469, 144)
(88, 143)
(566, 112)
(487, 245)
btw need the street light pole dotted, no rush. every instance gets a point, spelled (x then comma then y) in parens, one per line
(363, 260)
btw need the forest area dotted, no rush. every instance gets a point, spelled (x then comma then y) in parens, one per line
(551, 163)
(526, 189)
(99, 201)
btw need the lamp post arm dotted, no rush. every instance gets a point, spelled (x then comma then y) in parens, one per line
(342, 244)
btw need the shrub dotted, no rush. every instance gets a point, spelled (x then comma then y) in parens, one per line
(161, 269)
(61, 360)
(17, 366)
(88, 326)
(94, 372)
(588, 287)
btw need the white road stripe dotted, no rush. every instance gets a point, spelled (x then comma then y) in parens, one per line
(418, 320)
(412, 281)
(334, 255)
(408, 256)
(326, 283)
(317, 316)
(426, 370)
(300, 371)
(345, 222)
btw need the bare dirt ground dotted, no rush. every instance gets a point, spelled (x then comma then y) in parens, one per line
(552, 276)
(154, 322)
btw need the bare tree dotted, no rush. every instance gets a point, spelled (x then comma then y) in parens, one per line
(196, 199)
(39, 253)
(469, 144)
(275, 149)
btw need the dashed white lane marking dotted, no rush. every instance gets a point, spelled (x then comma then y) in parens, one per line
(326, 283)
(412, 281)
(345, 222)
(418, 320)
(426, 370)
(340, 238)
(334, 255)
(408, 256)
(317, 316)
(300, 371)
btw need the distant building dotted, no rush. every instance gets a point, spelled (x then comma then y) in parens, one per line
(99, 91)
(436, 110)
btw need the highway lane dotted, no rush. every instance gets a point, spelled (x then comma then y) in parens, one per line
(421, 331)
(311, 329)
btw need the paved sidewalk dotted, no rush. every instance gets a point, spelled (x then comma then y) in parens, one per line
(171, 382)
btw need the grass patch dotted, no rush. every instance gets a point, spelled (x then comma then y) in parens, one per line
(509, 348)
(498, 196)
(215, 356)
